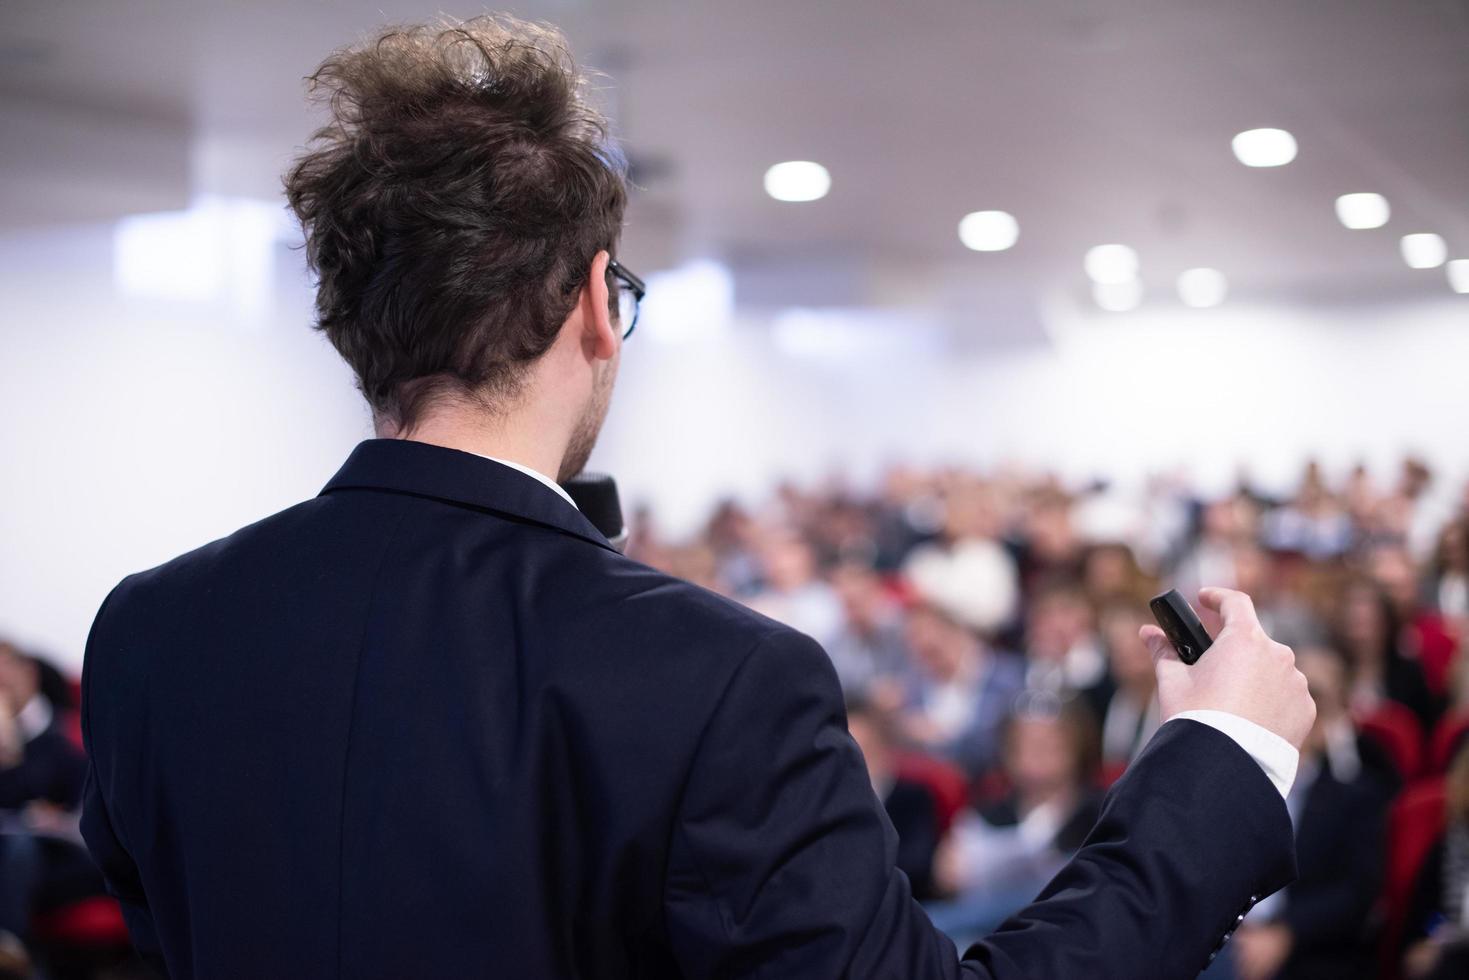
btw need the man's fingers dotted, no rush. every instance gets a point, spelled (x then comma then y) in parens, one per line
(1235, 608)
(1157, 643)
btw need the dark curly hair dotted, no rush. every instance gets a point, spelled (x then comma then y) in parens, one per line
(452, 206)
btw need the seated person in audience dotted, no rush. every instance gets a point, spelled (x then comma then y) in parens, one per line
(734, 536)
(793, 592)
(910, 805)
(1048, 548)
(1126, 702)
(37, 759)
(41, 775)
(1315, 523)
(1458, 695)
(1437, 937)
(1320, 926)
(1274, 582)
(967, 570)
(869, 647)
(1428, 637)
(1448, 585)
(1207, 554)
(1449, 575)
(1110, 573)
(1063, 655)
(997, 860)
(1370, 633)
(960, 692)
(907, 514)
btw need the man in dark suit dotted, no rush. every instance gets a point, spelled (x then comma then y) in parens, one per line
(429, 724)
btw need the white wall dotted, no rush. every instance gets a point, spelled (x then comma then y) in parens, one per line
(1112, 395)
(135, 428)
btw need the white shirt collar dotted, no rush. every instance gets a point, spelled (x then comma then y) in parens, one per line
(533, 474)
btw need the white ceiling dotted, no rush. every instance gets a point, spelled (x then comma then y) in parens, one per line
(1091, 122)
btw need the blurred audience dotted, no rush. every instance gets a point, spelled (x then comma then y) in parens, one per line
(1427, 635)
(869, 649)
(790, 589)
(983, 627)
(1124, 700)
(1317, 522)
(39, 762)
(910, 804)
(1110, 573)
(959, 691)
(1438, 916)
(1371, 632)
(1063, 654)
(1281, 584)
(1448, 581)
(998, 857)
(1320, 927)
(989, 621)
(968, 571)
(42, 863)
(41, 774)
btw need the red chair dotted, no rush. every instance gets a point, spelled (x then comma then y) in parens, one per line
(946, 782)
(1416, 822)
(1398, 731)
(1110, 773)
(1446, 737)
(87, 938)
(91, 922)
(1436, 645)
(990, 787)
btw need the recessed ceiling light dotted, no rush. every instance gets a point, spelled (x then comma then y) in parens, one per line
(1264, 147)
(989, 231)
(1424, 250)
(1111, 264)
(1361, 211)
(1458, 271)
(1202, 287)
(1118, 297)
(797, 180)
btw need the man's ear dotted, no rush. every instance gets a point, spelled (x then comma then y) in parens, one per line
(600, 336)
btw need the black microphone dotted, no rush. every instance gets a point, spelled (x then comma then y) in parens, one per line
(596, 497)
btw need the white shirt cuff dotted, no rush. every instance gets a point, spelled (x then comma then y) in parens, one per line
(1275, 755)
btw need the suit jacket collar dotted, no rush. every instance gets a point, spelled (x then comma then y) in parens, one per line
(419, 469)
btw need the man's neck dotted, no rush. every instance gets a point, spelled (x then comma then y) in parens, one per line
(498, 438)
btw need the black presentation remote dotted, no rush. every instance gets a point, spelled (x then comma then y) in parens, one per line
(1181, 625)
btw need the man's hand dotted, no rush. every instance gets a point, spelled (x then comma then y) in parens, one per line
(1244, 673)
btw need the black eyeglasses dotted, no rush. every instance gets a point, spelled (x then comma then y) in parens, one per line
(630, 292)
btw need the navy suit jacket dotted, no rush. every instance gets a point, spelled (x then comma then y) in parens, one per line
(430, 724)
